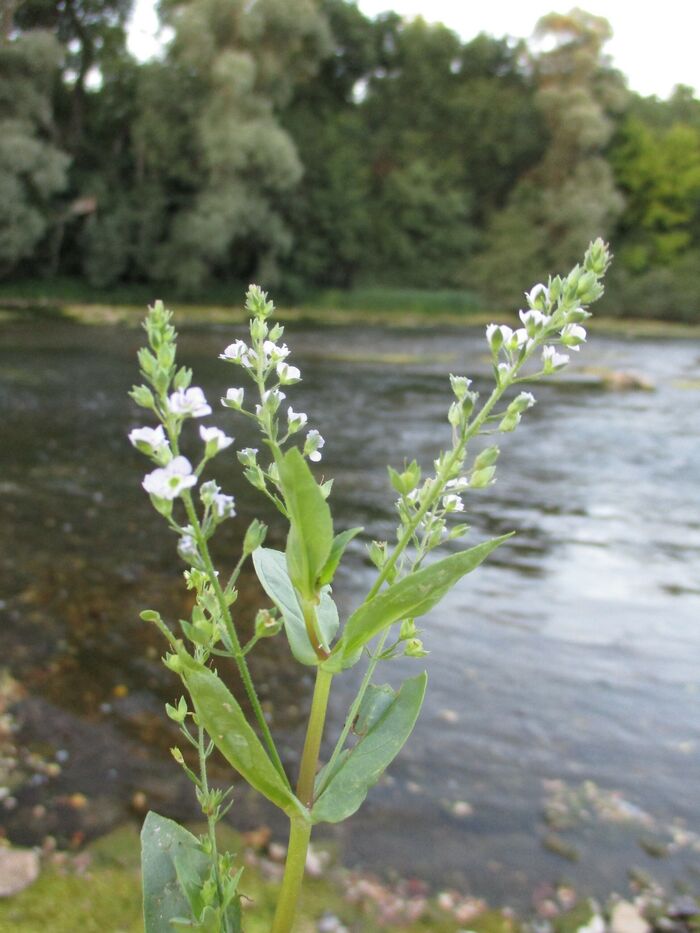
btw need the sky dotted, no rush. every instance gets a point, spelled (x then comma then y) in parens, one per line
(655, 46)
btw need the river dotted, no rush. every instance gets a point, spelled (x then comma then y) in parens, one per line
(560, 737)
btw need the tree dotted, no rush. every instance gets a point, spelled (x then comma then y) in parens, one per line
(570, 196)
(243, 60)
(33, 169)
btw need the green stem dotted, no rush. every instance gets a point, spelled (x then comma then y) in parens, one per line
(299, 835)
(240, 660)
(314, 732)
(300, 829)
(211, 821)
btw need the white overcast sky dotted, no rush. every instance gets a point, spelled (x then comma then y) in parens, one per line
(655, 45)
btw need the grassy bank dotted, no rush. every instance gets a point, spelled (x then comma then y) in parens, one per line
(98, 891)
(383, 306)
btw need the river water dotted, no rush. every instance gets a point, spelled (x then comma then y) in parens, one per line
(563, 710)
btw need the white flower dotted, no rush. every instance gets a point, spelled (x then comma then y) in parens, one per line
(572, 335)
(522, 402)
(169, 482)
(534, 320)
(271, 401)
(538, 296)
(452, 503)
(223, 506)
(235, 352)
(187, 546)
(288, 374)
(248, 456)
(296, 420)
(504, 371)
(189, 403)
(519, 339)
(498, 335)
(457, 485)
(151, 441)
(215, 439)
(274, 352)
(312, 447)
(234, 398)
(553, 360)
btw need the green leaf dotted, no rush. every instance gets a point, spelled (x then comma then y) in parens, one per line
(340, 542)
(360, 768)
(311, 527)
(375, 703)
(271, 568)
(163, 843)
(410, 597)
(219, 713)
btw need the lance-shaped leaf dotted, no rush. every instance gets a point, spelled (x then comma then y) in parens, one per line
(219, 713)
(340, 542)
(271, 568)
(164, 845)
(411, 597)
(388, 724)
(311, 526)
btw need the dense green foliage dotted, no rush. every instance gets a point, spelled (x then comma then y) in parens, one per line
(307, 145)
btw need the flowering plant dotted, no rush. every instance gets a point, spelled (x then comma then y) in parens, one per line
(188, 883)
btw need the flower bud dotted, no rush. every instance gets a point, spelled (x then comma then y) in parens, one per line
(522, 402)
(255, 477)
(538, 297)
(248, 456)
(408, 629)
(460, 386)
(377, 553)
(597, 258)
(486, 458)
(183, 378)
(177, 755)
(173, 663)
(258, 329)
(509, 422)
(481, 478)
(573, 335)
(254, 536)
(143, 396)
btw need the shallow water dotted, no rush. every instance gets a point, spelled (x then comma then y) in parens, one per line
(571, 656)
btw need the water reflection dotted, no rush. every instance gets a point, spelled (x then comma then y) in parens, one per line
(571, 656)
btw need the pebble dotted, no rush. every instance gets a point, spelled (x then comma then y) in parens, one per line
(625, 918)
(18, 869)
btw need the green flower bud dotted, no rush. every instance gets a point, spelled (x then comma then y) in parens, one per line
(481, 478)
(408, 629)
(509, 422)
(143, 396)
(163, 506)
(460, 386)
(183, 378)
(377, 553)
(254, 536)
(597, 258)
(173, 663)
(258, 329)
(486, 458)
(255, 477)
(177, 755)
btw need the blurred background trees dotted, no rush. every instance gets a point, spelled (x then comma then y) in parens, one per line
(305, 145)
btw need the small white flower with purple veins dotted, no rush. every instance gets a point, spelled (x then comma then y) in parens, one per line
(215, 440)
(296, 420)
(223, 506)
(274, 352)
(234, 398)
(538, 296)
(151, 441)
(552, 361)
(312, 446)
(452, 503)
(187, 546)
(457, 485)
(189, 403)
(235, 352)
(572, 335)
(534, 320)
(288, 374)
(170, 481)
